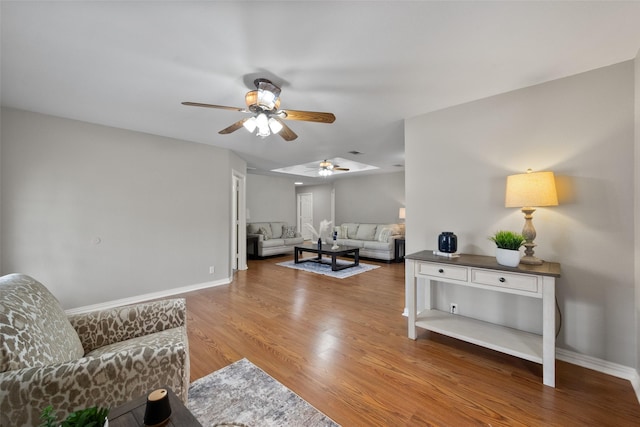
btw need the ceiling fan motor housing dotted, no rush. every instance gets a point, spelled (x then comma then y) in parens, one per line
(265, 99)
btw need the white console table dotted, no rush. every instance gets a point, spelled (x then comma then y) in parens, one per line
(536, 281)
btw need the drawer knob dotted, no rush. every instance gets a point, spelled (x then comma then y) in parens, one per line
(502, 279)
(441, 271)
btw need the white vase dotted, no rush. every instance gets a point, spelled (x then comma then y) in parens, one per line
(507, 257)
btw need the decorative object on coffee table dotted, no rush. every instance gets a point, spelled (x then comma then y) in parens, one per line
(528, 191)
(323, 231)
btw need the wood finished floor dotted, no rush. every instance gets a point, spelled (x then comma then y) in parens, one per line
(342, 345)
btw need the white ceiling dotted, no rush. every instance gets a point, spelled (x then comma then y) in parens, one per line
(130, 64)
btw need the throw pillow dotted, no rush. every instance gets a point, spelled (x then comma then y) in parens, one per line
(343, 234)
(366, 232)
(288, 231)
(384, 235)
(266, 234)
(352, 230)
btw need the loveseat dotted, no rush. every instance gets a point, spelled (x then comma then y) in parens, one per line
(103, 358)
(374, 240)
(272, 238)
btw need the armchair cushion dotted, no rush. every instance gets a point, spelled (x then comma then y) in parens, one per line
(34, 328)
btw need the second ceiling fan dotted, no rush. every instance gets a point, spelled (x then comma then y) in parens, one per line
(267, 117)
(327, 168)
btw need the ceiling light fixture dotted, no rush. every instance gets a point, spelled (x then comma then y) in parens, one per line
(325, 172)
(275, 125)
(250, 124)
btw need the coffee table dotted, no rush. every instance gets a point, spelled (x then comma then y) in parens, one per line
(326, 250)
(131, 414)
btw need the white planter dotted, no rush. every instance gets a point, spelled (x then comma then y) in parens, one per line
(507, 257)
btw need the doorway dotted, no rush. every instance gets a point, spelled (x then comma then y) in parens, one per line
(305, 214)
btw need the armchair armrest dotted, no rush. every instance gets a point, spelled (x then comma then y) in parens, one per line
(104, 327)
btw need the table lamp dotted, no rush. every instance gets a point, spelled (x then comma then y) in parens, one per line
(528, 191)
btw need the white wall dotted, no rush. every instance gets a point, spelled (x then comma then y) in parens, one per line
(370, 198)
(271, 198)
(99, 214)
(580, 127)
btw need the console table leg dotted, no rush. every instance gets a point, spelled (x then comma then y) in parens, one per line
(549, 332)
(410, 298)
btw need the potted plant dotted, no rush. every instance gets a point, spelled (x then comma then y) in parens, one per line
(89, 417)
(508, 247)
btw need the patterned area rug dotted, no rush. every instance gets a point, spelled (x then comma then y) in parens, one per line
(243, 394)
(325, 269)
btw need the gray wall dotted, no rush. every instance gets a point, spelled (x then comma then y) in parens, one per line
(271, 198)
(370, 198)
(99, 214)
(580, 127)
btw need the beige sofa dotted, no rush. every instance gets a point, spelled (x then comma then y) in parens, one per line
(374, 240)
(103, 358)
(272, 238)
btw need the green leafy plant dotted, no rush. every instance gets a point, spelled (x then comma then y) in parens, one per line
(508, 240)
(89, 417)
(47, 417)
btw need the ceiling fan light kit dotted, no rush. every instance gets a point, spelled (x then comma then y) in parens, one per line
(264, 103)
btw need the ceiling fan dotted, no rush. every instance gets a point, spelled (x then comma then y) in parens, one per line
(327, 168)
(267, 117)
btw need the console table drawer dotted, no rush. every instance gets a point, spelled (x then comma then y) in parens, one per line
(443, 270)
(505, 280)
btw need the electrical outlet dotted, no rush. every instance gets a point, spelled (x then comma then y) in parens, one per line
(212, 270)
(453, 308)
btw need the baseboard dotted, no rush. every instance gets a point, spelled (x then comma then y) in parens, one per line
(146, 297)
(596, 364)
(606, 367)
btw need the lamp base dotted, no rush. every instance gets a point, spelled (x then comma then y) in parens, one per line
(530, 260)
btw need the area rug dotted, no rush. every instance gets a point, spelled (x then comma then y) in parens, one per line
(243, 394)
(314, 267)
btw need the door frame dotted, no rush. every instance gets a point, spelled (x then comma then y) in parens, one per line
(238, 246)
(299, 211)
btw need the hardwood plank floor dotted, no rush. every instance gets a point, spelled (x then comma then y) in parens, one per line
(342, 345)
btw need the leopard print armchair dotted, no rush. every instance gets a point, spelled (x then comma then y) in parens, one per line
(102, 358)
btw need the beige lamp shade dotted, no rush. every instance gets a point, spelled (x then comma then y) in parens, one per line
(402, 213)
(531, 189)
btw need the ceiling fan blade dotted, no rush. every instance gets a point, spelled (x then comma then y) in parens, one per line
(234, 127)
(340, 169)
(286, 133)
(221, 107)
(309, 116)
